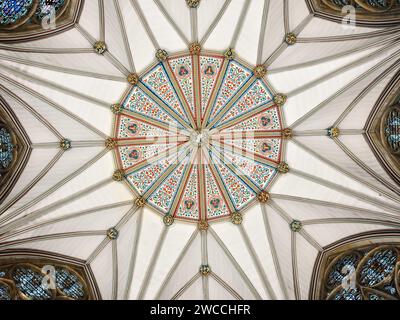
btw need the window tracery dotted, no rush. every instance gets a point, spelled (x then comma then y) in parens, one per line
(22, 20)
(33, 278)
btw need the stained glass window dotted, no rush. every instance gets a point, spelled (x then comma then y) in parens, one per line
(194, 122)
(6, 149)
(69, 284)
(46, 8)
(13, 10)
(30, 281)
(366, 273)
(392, 129)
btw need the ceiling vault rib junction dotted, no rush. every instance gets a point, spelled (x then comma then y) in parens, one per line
(92, 41)
(283, 46)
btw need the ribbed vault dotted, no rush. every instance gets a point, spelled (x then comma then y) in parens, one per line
(73, 198)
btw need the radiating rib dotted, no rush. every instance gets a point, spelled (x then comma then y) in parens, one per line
(351, 37)
(176, 264)
(239, 24)
(45, 50)
(165, 106)
(295, 269)
(67, 217)
(274, 254)
(344, 190)
(220, 183)
(345, 172)
(204, 260)
(52, 237)
(36, 114)
(335, 56)
(193, 24)
(45, 210)
(114, 61)
(32, 183)
(235, 264)
(171, 21)
(366, 212)
(226, 286)
(153, 261)
(178, 91)
(62, 69)
(344, 89)
(56, 87)
(365, 91)
(286, 16)
(215, 21)
(102, 25)
(345, 68)
(187, 285)
(114, 249)
(124, 35)
(366, 168)
(145, 24)
(257, 262)
(53, 188)
(262, 31)
(55, 106)
(231, 102)
(351, 220)
(132, 263)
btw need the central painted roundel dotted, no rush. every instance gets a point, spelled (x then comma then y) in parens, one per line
(199, 136)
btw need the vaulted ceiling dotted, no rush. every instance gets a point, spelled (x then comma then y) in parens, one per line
(213, 149)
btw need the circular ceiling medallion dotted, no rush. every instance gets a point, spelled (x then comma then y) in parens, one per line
(199, 136)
